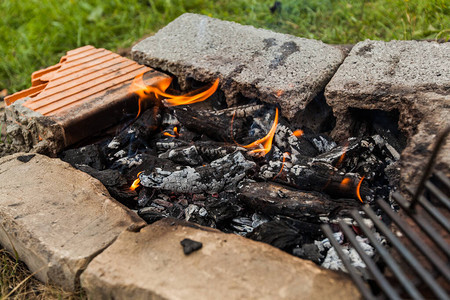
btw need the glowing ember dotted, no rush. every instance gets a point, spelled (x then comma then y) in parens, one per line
(358, 188)
(136, 184)
(159, 92)
(264, 144)
(298, 133)
(285, 154)
(345, 183)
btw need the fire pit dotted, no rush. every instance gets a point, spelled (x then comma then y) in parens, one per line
(269, 159)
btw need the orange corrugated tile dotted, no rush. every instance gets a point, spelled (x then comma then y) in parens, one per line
(86, 82)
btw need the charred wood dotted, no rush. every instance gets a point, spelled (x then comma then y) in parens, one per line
(214, 177)
(199, 153)
(216, 127)
(316, 176)
(275, 199)
(286, 233)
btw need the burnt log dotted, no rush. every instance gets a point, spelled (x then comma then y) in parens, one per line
(215, 126)
(222, 173)
(315, 176)
(274, 199)
(286, 233)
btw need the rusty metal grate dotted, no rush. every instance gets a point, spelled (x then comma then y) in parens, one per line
(418, 263)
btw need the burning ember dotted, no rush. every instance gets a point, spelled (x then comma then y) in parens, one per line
(158, 92)
(264, 144)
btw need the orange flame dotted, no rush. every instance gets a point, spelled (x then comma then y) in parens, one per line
(159, 91)
(285, 154)
(175, 131)
(136, 183)
(358, 187)
(264, 144)
(341, 159)
(298, 133)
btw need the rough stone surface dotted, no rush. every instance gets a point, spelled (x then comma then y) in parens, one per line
(56, 217)
(254, 63)
(150, 264)
(411, 77)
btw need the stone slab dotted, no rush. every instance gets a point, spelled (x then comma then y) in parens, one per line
(57, 218)
(254, 63)
(150, 264)
(412, 77)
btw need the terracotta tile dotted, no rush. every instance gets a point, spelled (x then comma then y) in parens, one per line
(88, 90)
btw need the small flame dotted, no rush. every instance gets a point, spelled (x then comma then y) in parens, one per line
(159, 92)
(298, 133)
(264, 144)
(285, 154)
(341, 159)
(175, 131)
(358, 187)
(345, 183)
(136, 182)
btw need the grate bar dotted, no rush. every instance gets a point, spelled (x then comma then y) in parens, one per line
(371, 266)
(395, 268)
(441, 176)
(360, 284)
(429, 167)
(423, 224)
(404, 252)
(438, 194)
(429, 253)
(432, 211)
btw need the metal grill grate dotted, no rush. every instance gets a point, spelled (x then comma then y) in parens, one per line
(418, 266)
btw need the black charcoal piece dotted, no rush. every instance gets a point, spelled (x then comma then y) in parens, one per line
(25, 158)
(190, 246)
(88, 155)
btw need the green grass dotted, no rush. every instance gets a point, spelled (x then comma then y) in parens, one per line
(36, 33)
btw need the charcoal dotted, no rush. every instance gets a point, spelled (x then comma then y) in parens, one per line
(223, 210)
(25, 158)
(242, 225)
(88, 155)
(310, 252)
(298, 146)
(214, 177)
(216, 127)
(107, 177)
(137, 134)
(190, 246)
(275, 199)
(187, 155)
(199, 153)
(152, 214)
(285, 233)
(169, 143)
(315, 176)
(320, 142)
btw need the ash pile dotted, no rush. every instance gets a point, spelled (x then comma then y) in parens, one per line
(242, 169)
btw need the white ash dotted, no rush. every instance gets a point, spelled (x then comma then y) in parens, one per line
(219, 174)
(202, 212)
(258, 220)
(130, 162)
(120, 153)
(332, 260)
(114, 144)
(169, 120)
(322, 144)
(190, 210)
